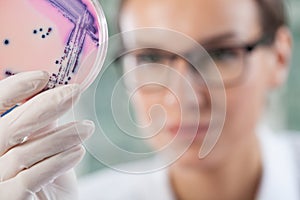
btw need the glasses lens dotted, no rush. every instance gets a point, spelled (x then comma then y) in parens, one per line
(229, 63)
(150, 73)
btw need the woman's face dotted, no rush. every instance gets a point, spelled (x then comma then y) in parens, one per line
(214, 24)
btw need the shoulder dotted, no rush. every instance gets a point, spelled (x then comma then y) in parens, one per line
(110, 184)
(281, 148)
(289, 138)
(281, 137)
(283, 142)
(280, 178)
(292, 137)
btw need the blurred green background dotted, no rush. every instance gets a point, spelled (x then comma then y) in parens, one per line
(284, 112)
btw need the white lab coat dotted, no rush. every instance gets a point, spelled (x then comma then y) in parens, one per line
(279, 181)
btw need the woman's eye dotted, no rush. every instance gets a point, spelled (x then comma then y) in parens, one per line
(149, 58)
(223, 55)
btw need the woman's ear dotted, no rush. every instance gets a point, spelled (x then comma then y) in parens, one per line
(282, 52)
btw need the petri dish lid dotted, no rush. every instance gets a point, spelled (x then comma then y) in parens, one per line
(67, 38)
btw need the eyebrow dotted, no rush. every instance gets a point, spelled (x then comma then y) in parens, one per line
(215, 40)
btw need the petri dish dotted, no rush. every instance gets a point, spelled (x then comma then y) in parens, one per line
(67, 38)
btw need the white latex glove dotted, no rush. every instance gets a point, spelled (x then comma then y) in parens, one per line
(35, 160)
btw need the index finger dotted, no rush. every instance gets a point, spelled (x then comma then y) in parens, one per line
(20, 87)
(35, 114)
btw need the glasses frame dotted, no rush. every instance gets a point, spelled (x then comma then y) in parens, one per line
(244, 50)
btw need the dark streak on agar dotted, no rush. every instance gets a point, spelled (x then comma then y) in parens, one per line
(77, 12)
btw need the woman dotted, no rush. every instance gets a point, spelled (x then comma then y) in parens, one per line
(251, 45)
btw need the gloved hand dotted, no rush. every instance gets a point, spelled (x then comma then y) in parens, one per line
(35, 158)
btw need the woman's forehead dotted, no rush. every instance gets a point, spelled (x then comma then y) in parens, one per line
(199, 19)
